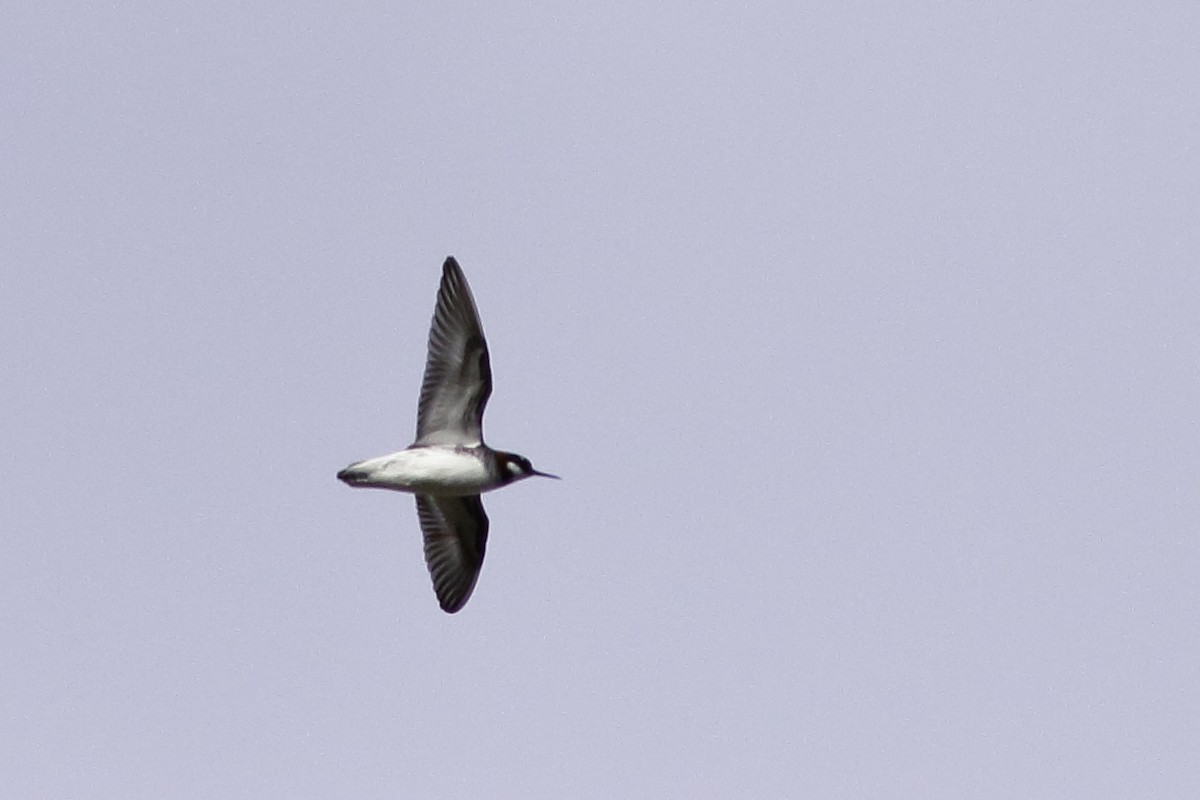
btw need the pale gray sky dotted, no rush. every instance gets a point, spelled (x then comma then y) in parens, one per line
(865, 340)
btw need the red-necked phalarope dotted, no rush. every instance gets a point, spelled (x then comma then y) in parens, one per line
(449, 466)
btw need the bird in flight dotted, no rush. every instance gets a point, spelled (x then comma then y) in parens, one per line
(449, 466)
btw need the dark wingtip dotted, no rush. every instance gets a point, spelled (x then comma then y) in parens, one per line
(450, 601)
(348, 475)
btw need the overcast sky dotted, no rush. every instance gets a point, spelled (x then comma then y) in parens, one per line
(864, 336)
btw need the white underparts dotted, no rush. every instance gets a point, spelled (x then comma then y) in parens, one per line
(425, 470)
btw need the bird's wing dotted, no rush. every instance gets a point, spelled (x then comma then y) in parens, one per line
(458, 375)
(455, 531)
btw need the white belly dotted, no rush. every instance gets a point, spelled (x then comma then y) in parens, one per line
(424, 470)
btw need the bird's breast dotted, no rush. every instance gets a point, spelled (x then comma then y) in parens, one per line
(424, 470)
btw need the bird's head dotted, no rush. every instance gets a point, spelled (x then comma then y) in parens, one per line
(514, 468)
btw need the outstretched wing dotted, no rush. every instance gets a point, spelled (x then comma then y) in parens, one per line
(458, 375)
(455, 530)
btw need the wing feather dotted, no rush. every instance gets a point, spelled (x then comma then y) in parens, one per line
(458, 372)
(455, 530)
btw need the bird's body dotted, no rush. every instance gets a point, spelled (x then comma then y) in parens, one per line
(427, 469)
(449, 465)
(437, 469)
